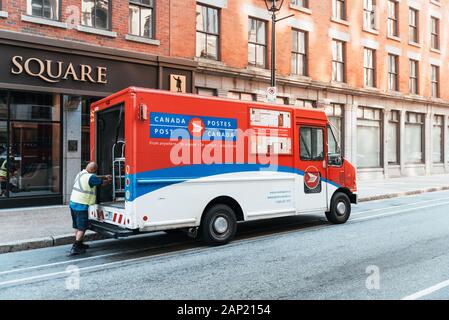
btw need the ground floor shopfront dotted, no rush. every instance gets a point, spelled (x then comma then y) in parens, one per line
(46, 88)
(384, 135)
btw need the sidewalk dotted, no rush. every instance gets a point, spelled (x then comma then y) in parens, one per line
(31, 228)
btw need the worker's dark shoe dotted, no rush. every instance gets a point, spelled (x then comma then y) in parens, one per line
(84, 246)
(76, 250)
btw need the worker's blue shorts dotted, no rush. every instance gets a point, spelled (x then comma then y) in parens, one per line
(80, 219)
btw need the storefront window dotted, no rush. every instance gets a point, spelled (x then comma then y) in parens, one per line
(368, 137)
(393, 137)
(437, 139)
(414, 145)
(30, 145)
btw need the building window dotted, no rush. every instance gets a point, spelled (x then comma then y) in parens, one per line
(241, 96)
(96, 14)
(414, 138)
(413, 22)
(48, 9)
(368, 137)
(299, 52)
(338, 61)
(206, 92)
(334, 114)
(30, 144)
(438, 139)
(413, 76)
(207, 32)
(393, 137)
(281, 100)
(301, 103)
(300, 3)
(339, 9)
(369, 67)
(369, 14)
(435, 33)
(393, 72)
(141, 22)
(257, 42)
(435, 81)
(393, 18)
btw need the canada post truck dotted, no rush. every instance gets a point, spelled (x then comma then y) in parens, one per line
(182, 162)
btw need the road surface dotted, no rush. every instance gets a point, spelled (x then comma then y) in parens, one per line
(389, 249)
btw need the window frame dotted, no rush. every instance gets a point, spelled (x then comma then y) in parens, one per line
(304, 5)
(59, 12)
(394, 20)
(335, 5)
(423, 130)
(299, 54)
(141, 5)
(256, 44)
(338, 63)
(441, 126)
(435, 34)
(415, 78)
(413, 29)
(395, 73)
(109, 16)
(371, 68)
(311, 128)
(371, 13)
(435, 82)
(206, 33)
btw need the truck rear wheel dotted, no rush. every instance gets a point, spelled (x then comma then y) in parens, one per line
(340, 209)
(219, 225)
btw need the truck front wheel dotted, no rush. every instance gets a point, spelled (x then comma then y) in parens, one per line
(340, 209)
(219, 225)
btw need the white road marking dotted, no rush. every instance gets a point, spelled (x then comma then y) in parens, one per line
(400, 206)
(427, 291)
(399, 211)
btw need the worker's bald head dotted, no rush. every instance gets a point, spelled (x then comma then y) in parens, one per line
(92, 167)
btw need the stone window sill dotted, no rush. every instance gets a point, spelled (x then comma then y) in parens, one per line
(131, 37)
(301, 9)
(43, 21)
(395, 38)
(414, 44)
(96, 31)
(3, 14)
(435, 50)
(343, 22)
(372, 31)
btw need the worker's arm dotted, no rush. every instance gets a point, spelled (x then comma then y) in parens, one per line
(95, 181)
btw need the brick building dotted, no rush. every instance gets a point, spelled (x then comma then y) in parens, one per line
(58, 56)
(375, 66)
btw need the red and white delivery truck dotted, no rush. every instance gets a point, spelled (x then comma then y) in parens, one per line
(202, 164)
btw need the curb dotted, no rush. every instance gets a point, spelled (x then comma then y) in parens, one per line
(402, 194)
(38, 243)
(60, 240)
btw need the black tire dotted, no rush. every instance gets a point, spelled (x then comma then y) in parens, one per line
(218, 232)
(340, 209)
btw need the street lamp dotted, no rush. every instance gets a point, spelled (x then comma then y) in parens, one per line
(274, 6)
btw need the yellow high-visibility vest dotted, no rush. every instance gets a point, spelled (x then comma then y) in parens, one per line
(3, 170)
(82, 192)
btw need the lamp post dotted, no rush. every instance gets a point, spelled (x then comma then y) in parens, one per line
(274, 6)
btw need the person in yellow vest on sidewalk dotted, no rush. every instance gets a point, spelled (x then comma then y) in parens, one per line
(83, 195)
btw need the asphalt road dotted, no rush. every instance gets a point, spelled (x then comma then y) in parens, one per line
(390, 249)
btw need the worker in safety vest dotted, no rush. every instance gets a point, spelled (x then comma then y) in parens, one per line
(83, 195)
(3, 177)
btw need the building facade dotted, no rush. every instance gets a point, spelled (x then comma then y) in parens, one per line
(57, 57)
(375, 67)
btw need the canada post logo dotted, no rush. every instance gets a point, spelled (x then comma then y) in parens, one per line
(163, 125)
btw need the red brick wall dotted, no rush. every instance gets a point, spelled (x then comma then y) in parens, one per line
(16, 8)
